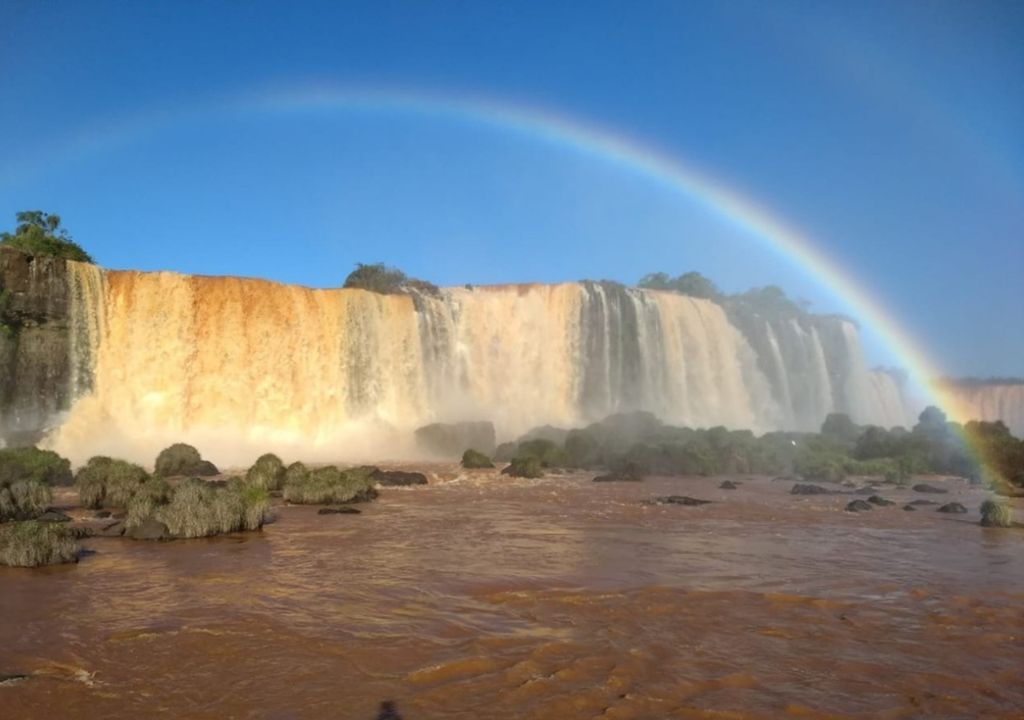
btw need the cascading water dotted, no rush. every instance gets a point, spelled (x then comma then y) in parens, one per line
(989, 400)
(239, 366)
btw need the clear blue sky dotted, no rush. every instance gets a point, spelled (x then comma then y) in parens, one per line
(892, 133)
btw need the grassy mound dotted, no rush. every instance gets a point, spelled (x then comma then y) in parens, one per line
(995, 513)
(106, 481)
(31, 543)
(182, 459)
(474, 460)
(23, 499)
(198, 509)
(329, 485)
(525, 466)
(34, 464)
(267, 473)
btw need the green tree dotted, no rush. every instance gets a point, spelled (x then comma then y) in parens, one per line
(380, 278)
(40, 233)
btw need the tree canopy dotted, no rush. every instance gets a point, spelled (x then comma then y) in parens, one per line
(380, 278)
(691, 283)
(40, 233)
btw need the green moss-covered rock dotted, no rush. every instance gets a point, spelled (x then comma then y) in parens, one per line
(31, 543)
(995, 513)
(32, 463)
(268, 473)
(329, 485)
(473, 460)
(528, 466)
(182, 459)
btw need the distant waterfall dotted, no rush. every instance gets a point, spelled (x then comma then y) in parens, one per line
(241, 366)
(994, 400)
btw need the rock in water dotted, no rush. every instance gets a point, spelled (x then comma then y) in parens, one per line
(53, 516)
(808, 489)
(880, 501)
(149, 529)
(678, 500)
(953, 507)
(729, 485)
(857, 506)
(619, 477)
(866, 490)
(343, 510)
(922, 502)
(926, 488)
(910, 508)
(398, 478)
(113, 529)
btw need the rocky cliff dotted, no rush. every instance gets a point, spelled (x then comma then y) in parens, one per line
(35, 343)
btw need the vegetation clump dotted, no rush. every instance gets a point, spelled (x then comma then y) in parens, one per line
(295, 473)
(148, 496)
(182, 459)
(104, 481)
(525, 466)
(40, 233)
(474, 460)
(267, 473)
(328, 485)
(23, 499)
(32, 543)
(30, 463)
(996, 513)
(380, 278)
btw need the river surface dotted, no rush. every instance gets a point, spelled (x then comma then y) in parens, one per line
(480, 596)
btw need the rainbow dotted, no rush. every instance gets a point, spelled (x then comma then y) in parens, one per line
(543, 125)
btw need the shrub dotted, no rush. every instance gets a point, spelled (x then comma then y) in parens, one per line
(995, 513)
(527, 466)
(149, 496)
(380, 278)
(471, 459)
(34, 464)
(105, 481)
(296, 472)
(268, 473)
(33, 543)
(23, 499)
(548, 453)
(40, 233)
(330, 485)
(182, 459)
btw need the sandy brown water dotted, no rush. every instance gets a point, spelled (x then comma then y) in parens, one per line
(486, 597)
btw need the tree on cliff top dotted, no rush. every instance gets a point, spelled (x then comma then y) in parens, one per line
(692, 283)
(380, 278)
(40, 233)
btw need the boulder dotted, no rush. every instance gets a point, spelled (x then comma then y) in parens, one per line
(880, 501)
(866, 490)
(910, 508)
(101, 514)
(953, 507)
(343, 510)
(678, 500)
(926, 488)
(53, 516)
(857, 506)
(451, 439)
(475, 460)
(729, 485)
(149, 529)
(808, 489)
(111, 529)
(918, 503)
(397, 478)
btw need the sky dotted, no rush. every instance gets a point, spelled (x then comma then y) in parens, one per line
(175, 136)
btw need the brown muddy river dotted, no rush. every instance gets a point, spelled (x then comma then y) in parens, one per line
(558, 598)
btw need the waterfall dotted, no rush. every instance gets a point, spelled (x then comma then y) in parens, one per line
(989, 400)
(239, 367)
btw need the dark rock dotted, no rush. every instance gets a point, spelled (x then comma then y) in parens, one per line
(786, 478)
(450, 440)
(53, 516)
(953, 507)
(678, 500)
(35, 367)
(397, 478)
(343, 510)
(880, 501)
(206, 469)
(101, 514)
(111, 529)
(910, 508)
(619, 477)
(149, 529)
(857, 506)
(79, 532)
(473, 460)
(729, 485)
(807, 489)
(866, 490)
(11, 678)
(922, 502)
(926, 488)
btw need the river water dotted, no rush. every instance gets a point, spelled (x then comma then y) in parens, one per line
(480, 596)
